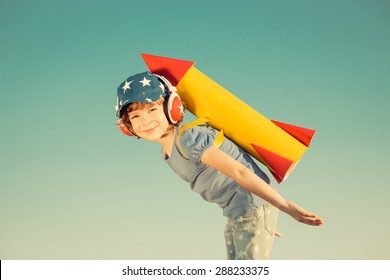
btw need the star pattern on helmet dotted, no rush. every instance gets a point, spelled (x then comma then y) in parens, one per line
(126, 86)
(145, 82)
(117, 104)
(162, 87)
(143, 87)
(181, 109)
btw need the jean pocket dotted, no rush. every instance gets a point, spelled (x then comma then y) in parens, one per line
(270, 218)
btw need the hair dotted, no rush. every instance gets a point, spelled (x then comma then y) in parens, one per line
(124, 119)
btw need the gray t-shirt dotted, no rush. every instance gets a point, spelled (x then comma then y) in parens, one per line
(212, 185)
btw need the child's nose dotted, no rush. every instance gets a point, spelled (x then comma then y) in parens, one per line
(147, 121)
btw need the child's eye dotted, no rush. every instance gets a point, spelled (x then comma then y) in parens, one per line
(133, 117)
(152, 109)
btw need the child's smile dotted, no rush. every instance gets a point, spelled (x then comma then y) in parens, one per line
(150, 130)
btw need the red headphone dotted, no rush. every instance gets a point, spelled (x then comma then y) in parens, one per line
(173, 107)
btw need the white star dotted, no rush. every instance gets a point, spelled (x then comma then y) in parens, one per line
(126, 86)
(162, 87)
(145, 82)
(247, 227)
(148, 100)
(181, 109)
(240, 220)
(117, 104)
(241, 254)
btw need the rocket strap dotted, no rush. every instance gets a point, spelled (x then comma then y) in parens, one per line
(217, 141)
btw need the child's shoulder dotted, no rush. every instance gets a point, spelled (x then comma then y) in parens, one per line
(197, 132)
(192, 141)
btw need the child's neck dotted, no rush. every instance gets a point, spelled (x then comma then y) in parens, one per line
(167, 141)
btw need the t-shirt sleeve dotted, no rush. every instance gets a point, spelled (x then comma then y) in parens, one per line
(195, 141)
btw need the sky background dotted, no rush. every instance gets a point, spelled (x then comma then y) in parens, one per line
(73, 187)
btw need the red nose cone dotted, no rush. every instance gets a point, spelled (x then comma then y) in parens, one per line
(171, 68)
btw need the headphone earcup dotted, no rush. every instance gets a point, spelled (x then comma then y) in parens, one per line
(174, 108)
(125, 130)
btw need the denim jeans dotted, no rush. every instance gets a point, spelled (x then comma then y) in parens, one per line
(251, 236)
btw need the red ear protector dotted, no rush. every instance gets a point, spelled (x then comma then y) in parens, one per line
(125, 130)
(173, 107)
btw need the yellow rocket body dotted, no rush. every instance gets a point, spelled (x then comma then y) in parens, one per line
(239, 121)
(260, 137)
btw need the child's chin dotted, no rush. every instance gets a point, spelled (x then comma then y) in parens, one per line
(151, 138)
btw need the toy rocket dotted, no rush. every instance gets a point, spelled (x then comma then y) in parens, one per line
(279, 146)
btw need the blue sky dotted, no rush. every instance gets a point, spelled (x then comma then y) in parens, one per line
(73, 187)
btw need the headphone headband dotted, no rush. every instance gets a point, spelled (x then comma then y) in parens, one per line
(167, 83)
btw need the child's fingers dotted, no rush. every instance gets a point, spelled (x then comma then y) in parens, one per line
(303, 216)
(307, 214)
(278, 234)
(314, 221)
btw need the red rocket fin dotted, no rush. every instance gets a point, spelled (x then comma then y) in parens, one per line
(171, 68)
(278, 165)
(277, 178)
(304, 135)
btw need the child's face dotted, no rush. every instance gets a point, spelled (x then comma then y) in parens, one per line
(149, 123)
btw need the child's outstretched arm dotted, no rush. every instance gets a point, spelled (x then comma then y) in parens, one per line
(253, 183)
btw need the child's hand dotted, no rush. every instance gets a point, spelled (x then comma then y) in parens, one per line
(302, 215)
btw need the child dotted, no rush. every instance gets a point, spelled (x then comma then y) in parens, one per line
(216, 168)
